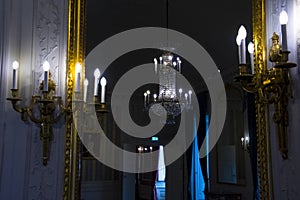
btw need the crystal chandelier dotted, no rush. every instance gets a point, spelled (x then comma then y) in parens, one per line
(168, 99)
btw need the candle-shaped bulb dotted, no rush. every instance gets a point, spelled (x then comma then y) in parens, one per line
(177, 58)
(97, 73)
(148, 92)
(85, 86)
(46, 67)
(155, 65)
(180, 92)
(15, 67)
(103, 84)
(154, 97)
(238, 40)
(97, 76)
(174, 64)
(242, 139)
(251, 51)
(190, 96)
(242, 32)
(78, 71)
(103, 81)
(283, 17)
(251, 47)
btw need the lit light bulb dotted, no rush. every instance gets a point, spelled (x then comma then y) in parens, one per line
(103, 81)
(283, 17)
(97, 73)
(97, 76)
(242, 32)
(103, 84)
(251, 47)
(46, 66)
(15, 65)
(238, 40)
(155, 60)
(154, 96)
(78, 67)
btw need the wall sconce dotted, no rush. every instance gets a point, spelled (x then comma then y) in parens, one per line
(245, 143)
(44, 110)
(48, 109)
(272, 86)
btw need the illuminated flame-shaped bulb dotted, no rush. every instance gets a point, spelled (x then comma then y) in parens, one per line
(103, 84)
(283, 17)
(15, 65)
(251, 47)
(242, 32)
(97, 76)
(46, 67)
(238, 40)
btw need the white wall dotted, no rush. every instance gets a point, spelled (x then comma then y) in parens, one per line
(31, 31)
(286, 174)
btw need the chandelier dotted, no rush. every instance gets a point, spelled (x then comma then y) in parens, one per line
(167, 99)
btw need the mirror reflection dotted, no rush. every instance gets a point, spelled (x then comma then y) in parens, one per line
(226, 170)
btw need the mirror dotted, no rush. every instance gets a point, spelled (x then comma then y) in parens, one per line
(81, 30)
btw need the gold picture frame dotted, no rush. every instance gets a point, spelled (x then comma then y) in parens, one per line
(75, 53)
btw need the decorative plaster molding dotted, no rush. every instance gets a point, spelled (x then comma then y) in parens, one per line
(47, 33)
(49, 43)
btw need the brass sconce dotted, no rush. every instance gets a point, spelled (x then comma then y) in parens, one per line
(45, 110)
(48, 109)
(273, 85)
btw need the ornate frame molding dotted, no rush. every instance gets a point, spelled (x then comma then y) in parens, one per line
(262, 112)
(75, 53)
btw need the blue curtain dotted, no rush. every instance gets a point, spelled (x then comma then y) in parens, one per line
(197, 183)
